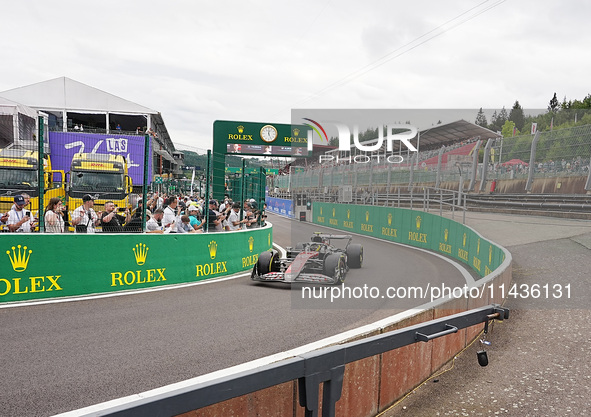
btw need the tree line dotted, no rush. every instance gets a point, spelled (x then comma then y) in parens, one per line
(559, 115)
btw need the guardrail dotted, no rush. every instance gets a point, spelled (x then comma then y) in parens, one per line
(324, 367)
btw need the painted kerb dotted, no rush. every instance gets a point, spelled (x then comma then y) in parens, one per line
(39, 266)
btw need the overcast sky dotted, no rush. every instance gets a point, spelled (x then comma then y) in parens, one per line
(196, 62)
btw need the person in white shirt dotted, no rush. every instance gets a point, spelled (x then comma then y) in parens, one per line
(84, 217)
(19, 220)
(234, 222)
(170, 215)
(153, 225)
(54, 216)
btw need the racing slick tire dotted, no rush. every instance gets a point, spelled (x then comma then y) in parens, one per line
(268, 262)
(355, 255)
(334, 266)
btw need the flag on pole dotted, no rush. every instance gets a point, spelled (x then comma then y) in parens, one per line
(192, 180)
(534, 128)
(551, 124)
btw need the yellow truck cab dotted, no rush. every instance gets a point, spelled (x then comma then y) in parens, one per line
(19, 175)
(104, 176)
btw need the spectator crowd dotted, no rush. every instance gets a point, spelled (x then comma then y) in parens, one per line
(164, 214)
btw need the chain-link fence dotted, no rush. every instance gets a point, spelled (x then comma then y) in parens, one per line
(78, 177)
(557, 153)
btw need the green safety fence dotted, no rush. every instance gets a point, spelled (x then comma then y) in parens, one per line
(39, 266)
(415, 228)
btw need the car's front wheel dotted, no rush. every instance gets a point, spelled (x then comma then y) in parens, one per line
(268, 262)
(334, 266)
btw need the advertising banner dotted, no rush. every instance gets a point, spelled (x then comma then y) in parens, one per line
(415, 228)
(37, 266)
(64, 145)
(280, 206)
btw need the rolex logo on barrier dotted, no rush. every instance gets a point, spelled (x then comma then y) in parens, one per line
(213, 268)
(490, 254)
(478, 248)
(333, 221)
(296, 132)
(444, 246)
(269, 239)
(138, 276)
(141, 252)
(389, 231)
(366, 227)
(463, 253)
(416, 236)
(321, 211)
(213, 249)
(250, 243)
(348, 214)
(240, 129)
(19, 259)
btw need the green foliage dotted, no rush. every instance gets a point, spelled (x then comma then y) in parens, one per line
(498, 120)
(481, 119)
(507, 129)
(553, 105)
(516, 115)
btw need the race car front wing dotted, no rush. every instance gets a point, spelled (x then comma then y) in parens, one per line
(287, 278)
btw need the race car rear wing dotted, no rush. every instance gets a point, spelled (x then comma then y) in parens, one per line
(327, 236)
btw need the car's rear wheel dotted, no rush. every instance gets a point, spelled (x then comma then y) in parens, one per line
(355, 255)
(334, 266)
(268, 262)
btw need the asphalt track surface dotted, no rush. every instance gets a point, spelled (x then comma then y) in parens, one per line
(64, 356)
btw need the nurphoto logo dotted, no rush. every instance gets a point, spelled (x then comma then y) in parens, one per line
(396, 132)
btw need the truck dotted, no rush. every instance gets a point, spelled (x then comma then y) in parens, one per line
(103, 176)
(19, 175)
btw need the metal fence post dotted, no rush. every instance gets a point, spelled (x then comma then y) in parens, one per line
(206, 203)
(532, 162)
(145, 182)
(41, 174)
(410, 180)
(474, 165)
(588, 183)
(439, 158)
(485, 164)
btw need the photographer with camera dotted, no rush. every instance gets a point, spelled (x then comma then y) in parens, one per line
(113, 222)
(19, 220)
(54, 216)
(84, 218)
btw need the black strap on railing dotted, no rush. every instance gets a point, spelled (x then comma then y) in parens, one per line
(325, 365)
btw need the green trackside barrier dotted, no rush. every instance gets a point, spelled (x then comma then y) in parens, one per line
(415, 228)
(38, 266)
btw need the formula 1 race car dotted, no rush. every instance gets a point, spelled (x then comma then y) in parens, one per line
(316, 262)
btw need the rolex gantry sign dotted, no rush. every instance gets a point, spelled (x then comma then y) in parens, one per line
(253, 138)
(265, 139)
